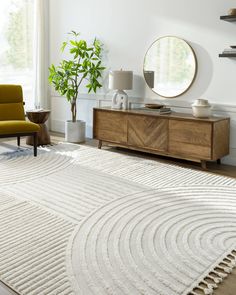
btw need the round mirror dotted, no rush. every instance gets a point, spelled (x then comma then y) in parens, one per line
(170, 66)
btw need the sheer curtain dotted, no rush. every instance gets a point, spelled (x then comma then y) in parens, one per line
(16, 50)
(40, 54)
(24, 48)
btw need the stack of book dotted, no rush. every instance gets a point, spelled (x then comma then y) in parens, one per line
(163, 110)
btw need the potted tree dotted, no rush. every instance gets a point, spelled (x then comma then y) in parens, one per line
(84, 66)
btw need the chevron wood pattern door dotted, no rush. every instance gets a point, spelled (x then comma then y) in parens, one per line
(148, 132)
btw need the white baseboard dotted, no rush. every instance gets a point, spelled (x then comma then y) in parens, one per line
(231, 158)
(58, 126)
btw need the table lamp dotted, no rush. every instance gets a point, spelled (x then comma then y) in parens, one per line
(120, 81)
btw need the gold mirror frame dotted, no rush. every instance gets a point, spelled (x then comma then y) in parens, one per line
(149, 74)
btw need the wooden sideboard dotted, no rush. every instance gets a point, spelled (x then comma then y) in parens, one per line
(175, 135)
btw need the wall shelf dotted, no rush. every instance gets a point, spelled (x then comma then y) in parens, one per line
(228, 18)
(227, 55)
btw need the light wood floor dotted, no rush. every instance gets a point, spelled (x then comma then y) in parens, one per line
(228, 287)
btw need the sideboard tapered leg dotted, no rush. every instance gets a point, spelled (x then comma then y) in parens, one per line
(203, 164)
(99, 144)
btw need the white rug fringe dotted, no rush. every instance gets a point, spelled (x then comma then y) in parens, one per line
(207, 287)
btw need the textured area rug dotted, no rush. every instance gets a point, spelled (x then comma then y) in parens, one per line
(33, 245)
(77, 220)
(155, 242)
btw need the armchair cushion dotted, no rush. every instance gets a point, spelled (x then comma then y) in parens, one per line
(12, 111)
(12, 117)
(11, 93)
(15, 126)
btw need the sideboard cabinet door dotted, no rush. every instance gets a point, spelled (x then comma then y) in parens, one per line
(148, 132)
(110, 126)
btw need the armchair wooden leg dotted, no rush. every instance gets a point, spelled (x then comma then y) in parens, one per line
(18, 140)
(35, 143)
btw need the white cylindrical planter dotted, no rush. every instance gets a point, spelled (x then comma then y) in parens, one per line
(75, 131)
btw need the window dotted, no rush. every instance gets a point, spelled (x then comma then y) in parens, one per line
(16, 50)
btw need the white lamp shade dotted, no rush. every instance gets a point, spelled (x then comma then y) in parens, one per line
(121, 80)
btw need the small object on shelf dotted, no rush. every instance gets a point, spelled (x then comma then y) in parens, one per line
(232, 11)
(229, 52)
(231, 17)
(201, 108)
(154, 106)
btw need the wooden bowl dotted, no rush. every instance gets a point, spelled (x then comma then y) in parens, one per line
(154, 106)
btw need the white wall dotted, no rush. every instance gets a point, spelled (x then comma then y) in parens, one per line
(128, 27)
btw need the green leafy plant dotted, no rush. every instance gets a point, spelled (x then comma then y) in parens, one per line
(86, 64)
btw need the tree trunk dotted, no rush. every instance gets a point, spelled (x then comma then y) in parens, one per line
(73, 110)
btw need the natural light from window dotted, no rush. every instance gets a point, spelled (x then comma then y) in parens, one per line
(16, 50)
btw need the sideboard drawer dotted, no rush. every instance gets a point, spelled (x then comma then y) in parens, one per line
(192, 139)
(110, 126)
(148, 132)
(189, 151)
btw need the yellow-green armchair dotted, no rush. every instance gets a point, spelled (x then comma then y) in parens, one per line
(12, 115)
